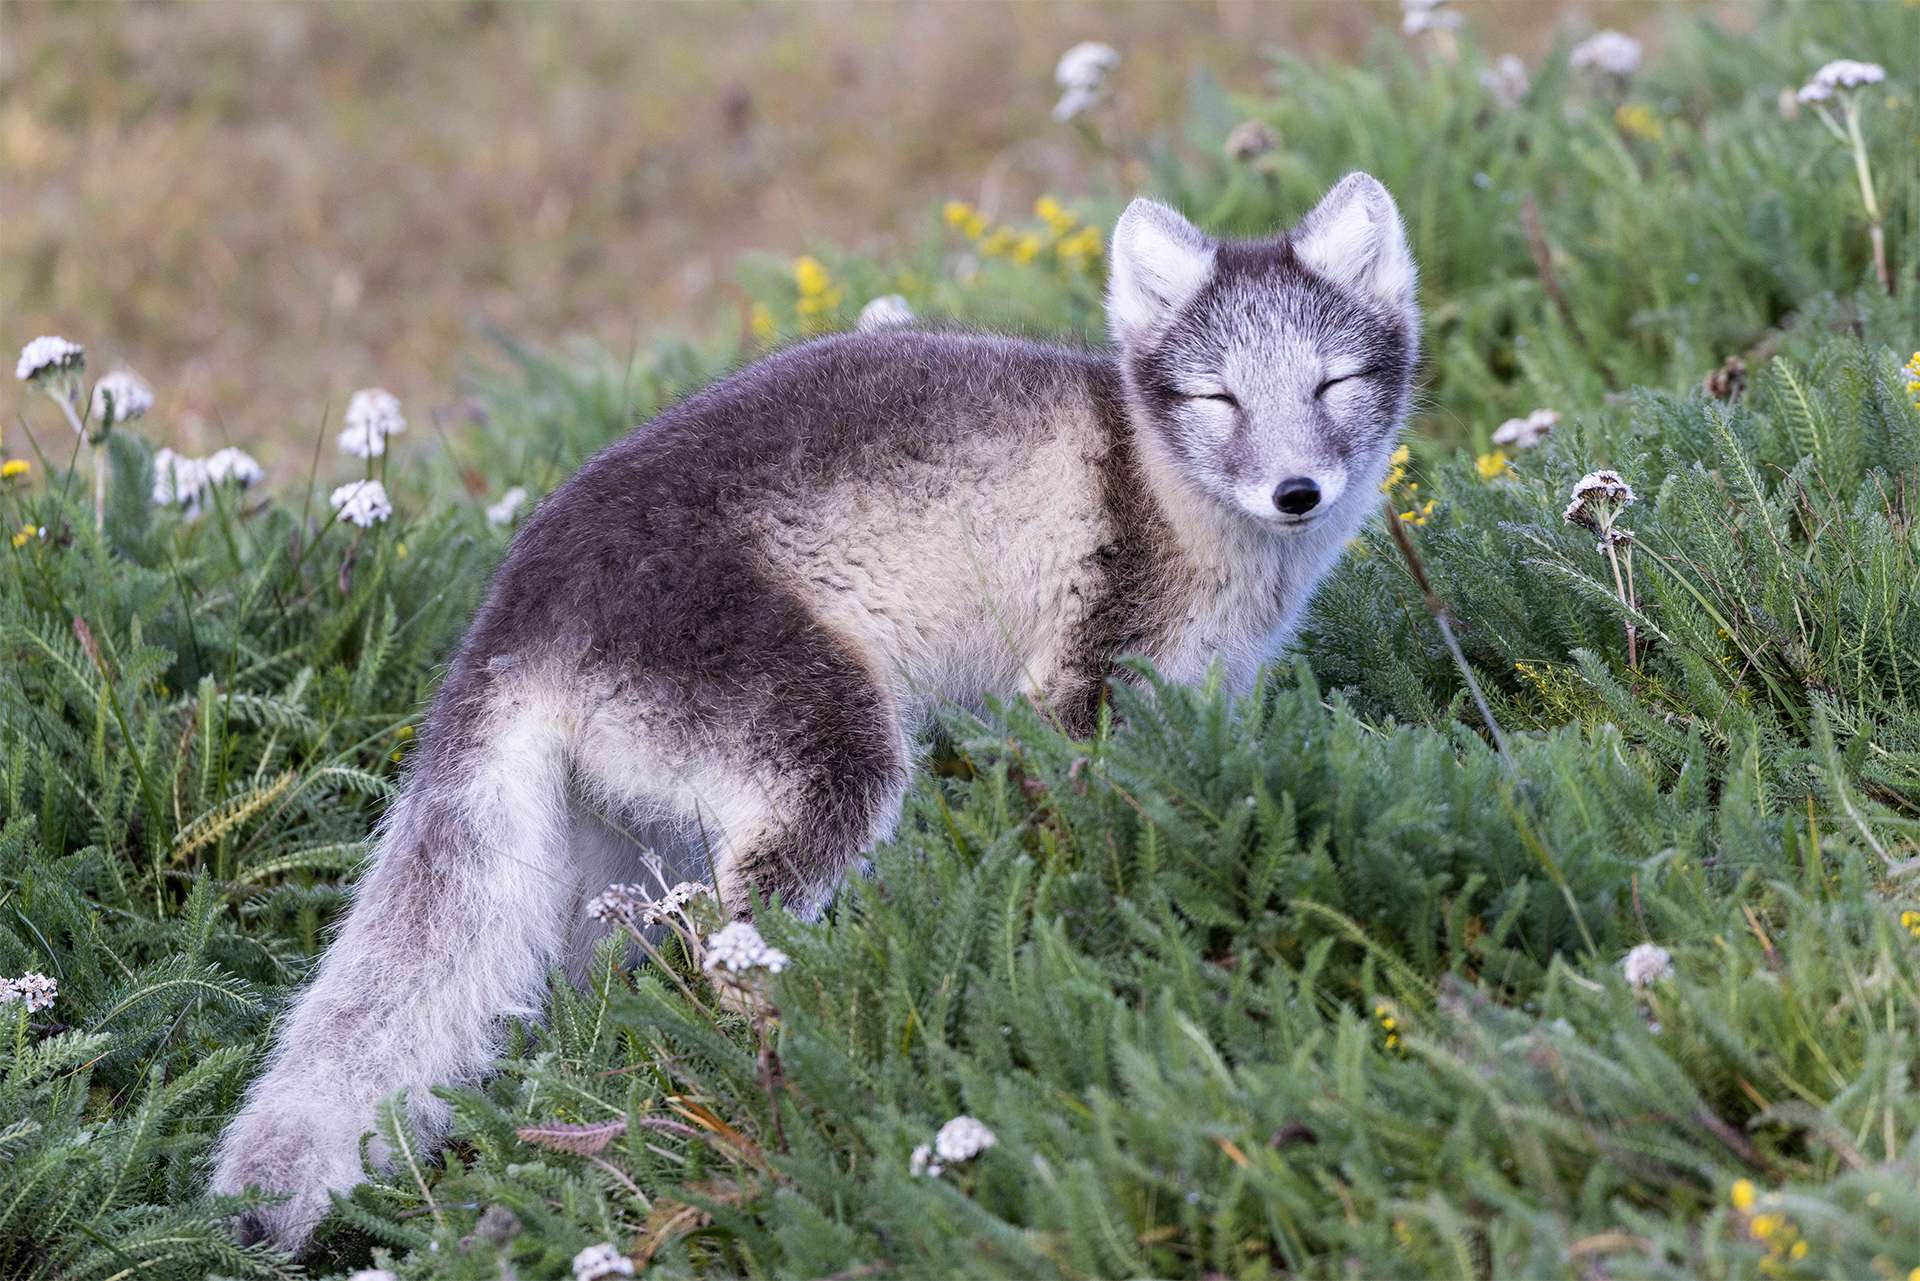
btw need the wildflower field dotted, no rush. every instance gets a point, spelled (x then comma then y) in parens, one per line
(1553, 911)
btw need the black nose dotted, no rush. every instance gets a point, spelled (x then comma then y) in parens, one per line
(1296, 496)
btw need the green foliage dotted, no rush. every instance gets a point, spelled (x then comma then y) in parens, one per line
(1315, 982)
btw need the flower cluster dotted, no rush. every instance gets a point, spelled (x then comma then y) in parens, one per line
(121, 397)
(1417, 511)
(1506, 80)
(34, 990)
(1418, 17)
(373, 414)
(818, 292)
(1910, 922)
(960, 1139)
(504, 511)
(1082, 75)
(361, 502)
(737, 948)
(1611, 53)
(1912, 370)
(1647, 964)
(598, 1261)
(49, 358)
(888, 311)
(1492, 465)
(1598, 499)
(623, 904)
(186, 482)
(1388, 1024)
(1526, 433)
(1076, 246)
(1783, 1240)
(1839, 77)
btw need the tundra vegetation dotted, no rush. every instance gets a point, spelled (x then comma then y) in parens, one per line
(1551, 912)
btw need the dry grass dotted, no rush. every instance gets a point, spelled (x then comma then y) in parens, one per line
(261, 207)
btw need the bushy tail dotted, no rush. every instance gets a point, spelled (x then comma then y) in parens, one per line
(454, 927)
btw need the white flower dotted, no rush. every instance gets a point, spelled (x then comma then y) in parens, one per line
(630, 904)
(503, 512)
(1612, 52)
(48, 355)
(362, 441)
(178, 479)
(121, 397)
(962, 1139)
(235, 465)
(371, 1274)
(361, 502)
(36, 991)
(1506, 80)
(889, 311)
(601, 1260)
(1417, 16)
(1082, 76)
(1646, 964)
(1597, 499)
(921, 1163)
(738, 946)
(376, 409)
(676, 900)
(1845, 73)
(1525, 433)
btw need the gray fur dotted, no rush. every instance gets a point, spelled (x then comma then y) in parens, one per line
(724, 630)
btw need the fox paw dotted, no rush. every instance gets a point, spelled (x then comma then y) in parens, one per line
(305, 1153)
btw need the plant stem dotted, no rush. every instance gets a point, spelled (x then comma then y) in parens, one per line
(1864, 172)
(65, 401)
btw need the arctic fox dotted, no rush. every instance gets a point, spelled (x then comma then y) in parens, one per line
(726, 627)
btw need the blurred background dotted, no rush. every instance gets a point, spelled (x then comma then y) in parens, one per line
(260, 207)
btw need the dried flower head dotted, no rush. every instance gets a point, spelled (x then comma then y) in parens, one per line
(618, 904)
(1525, 433)
(1840, 76)
(1646, 964)
(603, 1260)
(1618, 536)
(120, 397)
(1420, 16)
(178, 480)
(889, 311)
(49, 357)
(235, 465)
(738, 947)
(1250, 140)
(361, 502)
(962, 1139)
(1728, 381)
(504, 511)
(34, 990)
(1506, 80)
(1082, 76)
(1612, 53)
(1597, 499)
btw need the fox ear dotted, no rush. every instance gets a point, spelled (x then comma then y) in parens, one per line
(1355, 238)
(1160, 260)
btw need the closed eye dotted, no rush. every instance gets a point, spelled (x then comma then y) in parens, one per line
(1321, 390)
(1223, 397)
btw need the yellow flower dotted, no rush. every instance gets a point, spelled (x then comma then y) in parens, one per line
(1765, 1225)
(760, 320)
(1027, 247)
(400, 551)
(965, 219)
(1081, 248)
(1799, 1250)
(1418, 514)
(27, 534)
(1054, 214)
(14, 467)
(810, 276)
(1396, 469)
(1742, 1195)
(1638, 121)
(1491, 465)
(998, 241)
(405, 731)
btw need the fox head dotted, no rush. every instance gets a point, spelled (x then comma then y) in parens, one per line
(1273, 373)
